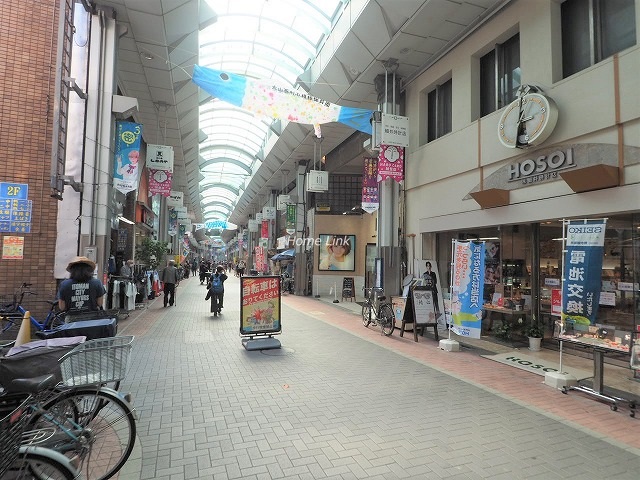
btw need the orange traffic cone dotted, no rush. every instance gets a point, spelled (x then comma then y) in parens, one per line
(24, 335)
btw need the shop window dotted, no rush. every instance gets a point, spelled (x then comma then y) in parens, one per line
(500, 76)
(593, 30)
(439, 111)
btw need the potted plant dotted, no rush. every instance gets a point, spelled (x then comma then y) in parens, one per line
(535, 334)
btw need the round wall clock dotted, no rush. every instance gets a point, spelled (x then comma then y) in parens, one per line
(527, 121)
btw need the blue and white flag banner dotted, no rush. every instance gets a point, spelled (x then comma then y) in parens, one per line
(582, 276)
(127, 155)
(467, 289)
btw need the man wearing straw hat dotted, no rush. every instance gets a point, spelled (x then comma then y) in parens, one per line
(81, 292)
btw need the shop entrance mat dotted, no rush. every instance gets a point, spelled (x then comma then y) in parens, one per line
(539, 366)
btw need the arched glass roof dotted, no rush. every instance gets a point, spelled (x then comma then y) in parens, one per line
(262, 39)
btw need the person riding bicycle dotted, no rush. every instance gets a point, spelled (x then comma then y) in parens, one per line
(215, 290)
(81, 292)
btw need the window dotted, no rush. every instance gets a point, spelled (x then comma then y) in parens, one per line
(593, 30)
(439, 113)
(500, 76)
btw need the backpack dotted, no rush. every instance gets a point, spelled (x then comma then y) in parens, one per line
(216, 284)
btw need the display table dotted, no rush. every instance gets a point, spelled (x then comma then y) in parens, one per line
(507, 314)
(599, 348)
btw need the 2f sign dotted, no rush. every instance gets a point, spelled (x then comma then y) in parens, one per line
(14, 191)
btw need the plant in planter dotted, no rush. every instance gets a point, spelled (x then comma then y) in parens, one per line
(535, 334)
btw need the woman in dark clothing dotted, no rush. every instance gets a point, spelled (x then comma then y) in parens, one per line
(81, 292)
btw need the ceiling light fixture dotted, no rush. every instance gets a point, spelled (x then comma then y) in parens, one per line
(147, 56)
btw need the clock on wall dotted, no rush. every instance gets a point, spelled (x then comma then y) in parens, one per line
(528, 120)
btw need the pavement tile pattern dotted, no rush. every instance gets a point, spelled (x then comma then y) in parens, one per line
(341, 401)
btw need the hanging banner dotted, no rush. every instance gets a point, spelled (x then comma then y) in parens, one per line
(160, 157)
(267, 99)
(173, 222)
(265, 229)
(291, 219)
(467, 289)
(584, 249)
(260, 261)
(127, 154)
(391, 163)
(370, 199)
(175, 199)
(217, 224)
(160, 182)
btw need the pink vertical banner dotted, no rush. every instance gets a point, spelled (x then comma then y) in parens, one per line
(370, 199)
(265, 229)
(391, 163)
(160, 182)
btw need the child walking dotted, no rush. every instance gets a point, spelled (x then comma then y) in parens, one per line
(215, 290)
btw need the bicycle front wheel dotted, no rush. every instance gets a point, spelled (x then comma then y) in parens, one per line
(40, 463)
(366, 314)
(386, 319)
(102, 424)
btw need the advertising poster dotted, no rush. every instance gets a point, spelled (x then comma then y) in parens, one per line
(127, 156)
(427, 273)
(583, 270)
(467, 288)
(370, 199)
(337, 252)
(391, 163)
(12, 248)
(260, 305)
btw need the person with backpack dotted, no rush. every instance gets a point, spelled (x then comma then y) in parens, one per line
(215, 290)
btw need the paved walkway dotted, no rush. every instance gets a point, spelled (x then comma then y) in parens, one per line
(340, 401)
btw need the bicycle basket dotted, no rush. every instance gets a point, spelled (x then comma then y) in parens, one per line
(11, 428)
(97, 361)
(8, 303)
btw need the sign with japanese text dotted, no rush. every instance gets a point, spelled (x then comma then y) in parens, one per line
(291, 219)
(160, 182)
(160, 157)
(370, 199)
(264, 233)
(269, 213)
(260, 305)
(395, 130)
(584, 249)
(15, 208)
(175, 199)
(391, 163)
(127, 155)
(252, 225)
(467, 289)
(12, 248)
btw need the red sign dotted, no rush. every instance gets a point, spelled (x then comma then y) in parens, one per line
(556, 301)
(391, 163)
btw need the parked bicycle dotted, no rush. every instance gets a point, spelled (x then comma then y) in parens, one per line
(88, 423)
(12, 312)
(375, 310)
(28, 461)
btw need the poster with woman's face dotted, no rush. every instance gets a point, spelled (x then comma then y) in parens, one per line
(337, 252)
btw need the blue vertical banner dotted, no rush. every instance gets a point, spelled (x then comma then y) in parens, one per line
(467, 288)
(582, 270)
(127, 156)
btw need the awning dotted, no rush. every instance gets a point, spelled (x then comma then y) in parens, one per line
(286, 255)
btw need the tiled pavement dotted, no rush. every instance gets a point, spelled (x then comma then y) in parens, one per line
(340, 401)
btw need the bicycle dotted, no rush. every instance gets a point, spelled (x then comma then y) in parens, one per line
(92, 425)
(24, 461)
(12, 312)
(376, 311)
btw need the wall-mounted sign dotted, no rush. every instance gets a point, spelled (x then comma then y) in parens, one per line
(283, 201)
(12, 248)
(268, 213)
(317, 181)
(160, 157)
(395, 130)
(15, 209)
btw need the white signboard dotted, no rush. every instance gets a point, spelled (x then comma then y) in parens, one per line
(395, 130)
(175, 199)
(283, 201)
(259, 217)
(253, 225)
(160, 157)
(317, 181)
(268, 213)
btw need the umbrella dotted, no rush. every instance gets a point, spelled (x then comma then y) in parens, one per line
(286, 255)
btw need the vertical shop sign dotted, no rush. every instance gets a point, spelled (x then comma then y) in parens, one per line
(127, 155)
(13, 248)
(583, 270)
(173, 222)
(15, 208)
(260, 305)
(291, 219)
(370, 200)
(467, 289)
(265, 229)
(391, 163)
(160, 165)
